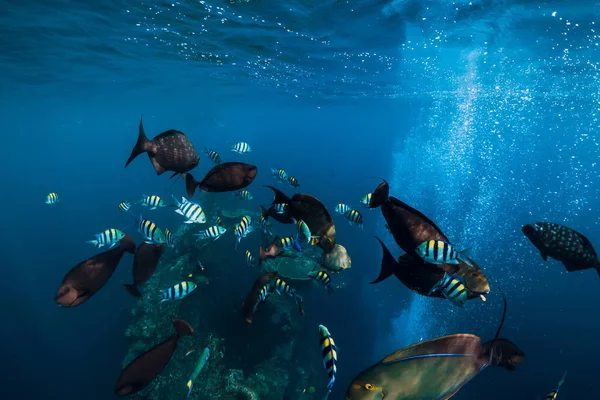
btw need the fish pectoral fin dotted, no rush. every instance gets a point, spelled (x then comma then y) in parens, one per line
(544, 255)
(157, 167)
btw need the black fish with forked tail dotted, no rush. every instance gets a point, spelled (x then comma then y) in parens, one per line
(147, 366)
(564, 244)
(168, 151)
(225, 177)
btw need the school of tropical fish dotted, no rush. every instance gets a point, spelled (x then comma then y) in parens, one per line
(431, 266)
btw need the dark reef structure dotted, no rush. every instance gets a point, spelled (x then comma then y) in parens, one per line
(238, 368)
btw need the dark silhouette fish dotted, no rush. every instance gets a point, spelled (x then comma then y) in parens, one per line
(310, 210)
(271, 252)
(564, 244)
(380, 194)
(421, 277)
(506, 354)
(87, 277)
(169, 151)
(252, 297)
(432, 370)
(147, 366)
(225, 177)
(144, 263)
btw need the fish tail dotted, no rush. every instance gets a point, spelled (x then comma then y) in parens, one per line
(142, 145)
(388, 264)
(189, 385)
(190, 184)
(182, 327)
(464, 256)
(329, 289)
(561, 381)
(133, 290)
(94, 242)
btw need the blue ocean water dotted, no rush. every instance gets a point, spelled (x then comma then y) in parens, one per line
(481, 114)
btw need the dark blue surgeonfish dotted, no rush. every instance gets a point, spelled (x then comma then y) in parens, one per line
(168, 151)
(431, 370)
(564, 244)
(87, 277)
(147, 366)
(225, 177)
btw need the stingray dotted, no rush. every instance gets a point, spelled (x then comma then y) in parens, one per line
(432, 370)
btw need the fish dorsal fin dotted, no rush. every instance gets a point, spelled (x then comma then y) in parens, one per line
(402, 204)
(461, 344)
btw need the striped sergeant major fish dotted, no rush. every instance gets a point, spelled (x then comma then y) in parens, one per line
(366, 200)
(241, 148)
(280, 174)
(152, 234)
(354, 217)
(329, 355)
(293, 182)
(250, 260)
(110, 237)
(341, 208)
(190, 210)
(322, 277)
(124, 206)
(440, 252)
(152, 201)
(218, 220)
(554, 394)
(242, 229)
(214, 232)
(243, 195)
(170, 238)
(280, 208)
(202, 361)
(453, 287)
(290, 243)
(304, 235)
(52, 198)
(213, 155)
(263, 221)
(178, 291)
(281, 287)
(263, 295)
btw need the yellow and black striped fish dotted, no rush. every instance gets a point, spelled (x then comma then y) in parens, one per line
(110, 237)
(293, 182)
(280, 174)
(250, 260)
(242, 229)
(152, 201)
(219, 220)
(178, 291)
(213, 155)
(329, 354)
(554, 394)
(214, 232)
(152, 234)
(243, 195)
(281, 287)
(322, 277)
(169, 238)
(124, 206)
(280, 208)
(241, 148)
(263, 295)
(366, 199)
(191, 211)
(354, 217)
(342, 208)
(52, 198)
(454, 288)
(289, 243)
(440, 252)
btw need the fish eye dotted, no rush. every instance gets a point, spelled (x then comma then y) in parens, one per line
(368, 386)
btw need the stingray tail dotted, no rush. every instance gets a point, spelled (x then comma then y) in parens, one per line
(388, 264)
(142, 145)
